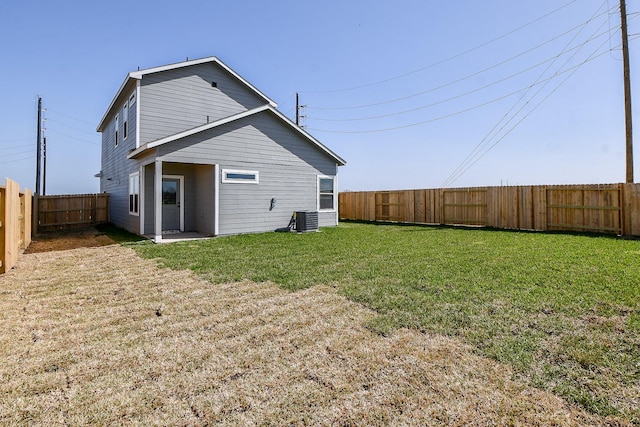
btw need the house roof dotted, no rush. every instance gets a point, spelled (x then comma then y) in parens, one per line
(267, 107)
(139, 75)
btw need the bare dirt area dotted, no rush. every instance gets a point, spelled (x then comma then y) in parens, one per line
(101, 336)
(65, 240)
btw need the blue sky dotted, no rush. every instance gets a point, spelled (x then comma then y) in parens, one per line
(403, 90)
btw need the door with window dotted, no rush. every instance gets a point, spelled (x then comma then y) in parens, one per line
(171, 205)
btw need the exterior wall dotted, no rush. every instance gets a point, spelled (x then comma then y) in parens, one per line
(198, 196)
(205, 205)
(116, 168)
(180, 99)
(288, 168)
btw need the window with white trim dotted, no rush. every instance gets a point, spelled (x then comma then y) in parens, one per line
(134, 193)
(240, 176)
(326, 193)
(125, 120)
(117, 126)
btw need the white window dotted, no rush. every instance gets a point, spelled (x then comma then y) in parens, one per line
(117, 126)
(134, 193)
(326, 193)
(132, 98)
(240, 176)
(125, 120)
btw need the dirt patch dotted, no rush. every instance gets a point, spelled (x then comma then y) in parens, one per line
(101, 336)
(65, 240)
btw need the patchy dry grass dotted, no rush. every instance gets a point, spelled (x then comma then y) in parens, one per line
(563, 311)
(100, 336)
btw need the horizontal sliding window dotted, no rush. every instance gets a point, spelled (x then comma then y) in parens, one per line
(240, 176)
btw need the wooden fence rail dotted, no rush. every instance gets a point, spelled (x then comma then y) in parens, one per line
(600, 208)
(15, 223)
(67, 212)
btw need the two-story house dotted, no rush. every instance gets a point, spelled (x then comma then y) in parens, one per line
(193, 146)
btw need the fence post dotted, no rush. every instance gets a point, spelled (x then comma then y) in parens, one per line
(35, 215)
(3, 227)
(26, 224)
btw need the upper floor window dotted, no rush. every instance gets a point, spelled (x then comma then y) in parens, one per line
(117, 126)
(125, 120)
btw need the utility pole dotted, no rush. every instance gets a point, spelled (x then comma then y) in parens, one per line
(298, 110)
(44, 166)
(627, 91)
(39, 146)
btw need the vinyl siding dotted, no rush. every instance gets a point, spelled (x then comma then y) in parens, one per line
(288, 165)
(176, 100)
(116, 168)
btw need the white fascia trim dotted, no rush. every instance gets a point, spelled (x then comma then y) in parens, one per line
(321, 146)
(113, 102)
(141, 73)
(137, 113)
(196, 130)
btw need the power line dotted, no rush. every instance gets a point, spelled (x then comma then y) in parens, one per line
(446, 116)
(71, 117)
(447, 59)
(472, 160)
(467, 77)
(13, 147)
(19, 153)
(487, 138)
(494, 83)
(17, 160)
(73, 137)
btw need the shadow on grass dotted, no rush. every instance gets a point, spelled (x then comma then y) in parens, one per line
(118, 235)
(489, 229)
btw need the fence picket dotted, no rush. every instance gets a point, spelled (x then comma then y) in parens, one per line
(601, 208)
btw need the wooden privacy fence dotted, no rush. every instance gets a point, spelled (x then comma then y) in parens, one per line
(70, 211)
(600, 208)
(15, 223)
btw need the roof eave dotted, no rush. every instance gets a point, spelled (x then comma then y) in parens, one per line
(102, 123)
(138, 75)
(339, 160)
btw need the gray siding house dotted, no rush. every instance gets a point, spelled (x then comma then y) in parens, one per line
(193, 146)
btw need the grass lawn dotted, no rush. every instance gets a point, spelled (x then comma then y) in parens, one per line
(562, 310)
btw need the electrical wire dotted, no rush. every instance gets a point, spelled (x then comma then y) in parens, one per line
(473, 159)
(13, 147)
(73, 137)
(502, 80)
(467, 77)
(18, 153)
(446, 116)
(71, 117)
(451, 58)
(17, 160)
(490, 134)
